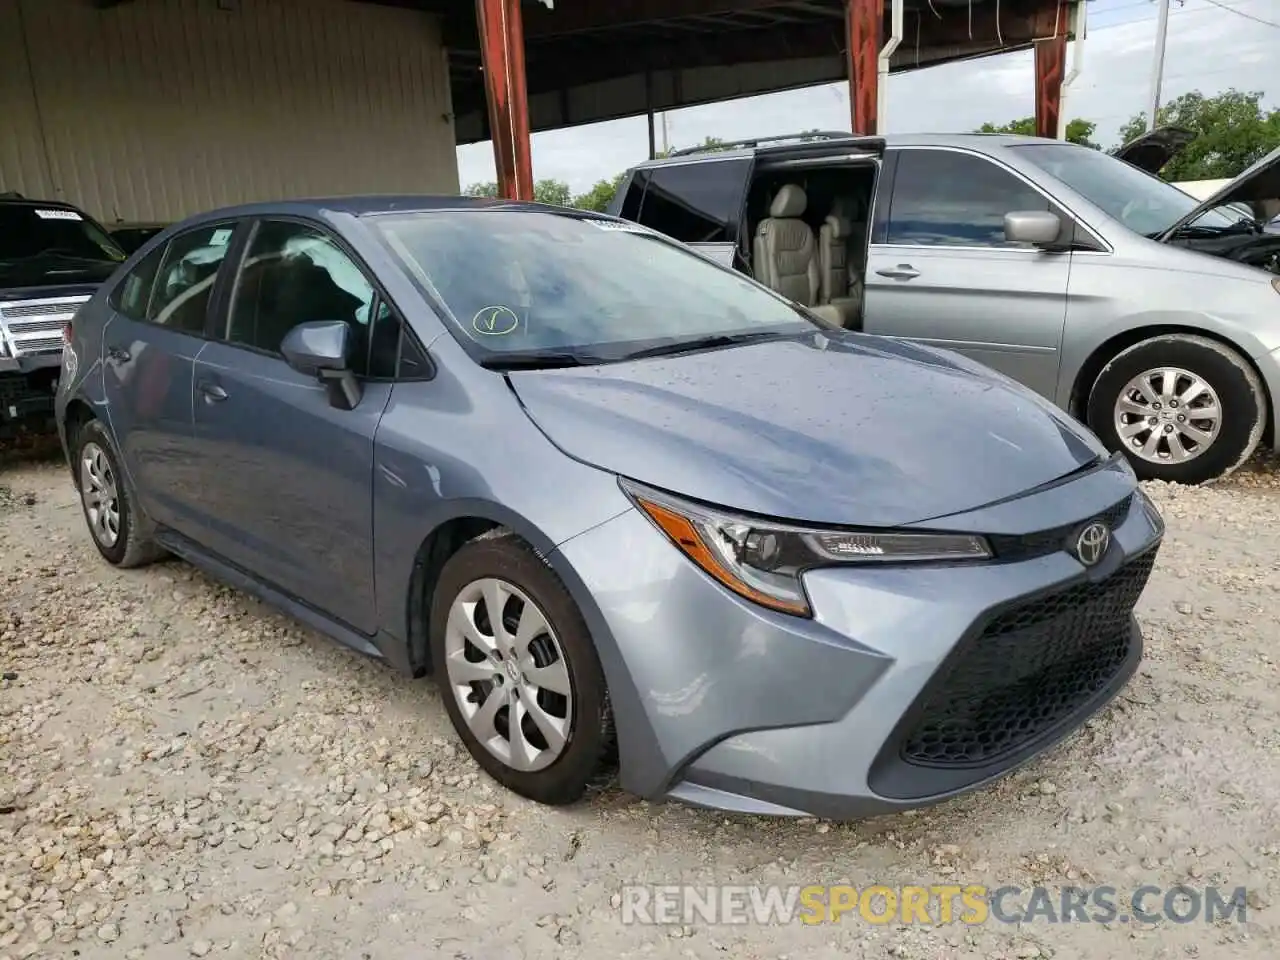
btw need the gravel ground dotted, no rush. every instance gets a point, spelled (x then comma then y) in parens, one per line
(185, 773)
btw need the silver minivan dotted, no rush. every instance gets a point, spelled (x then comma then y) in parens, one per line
(1151, 316)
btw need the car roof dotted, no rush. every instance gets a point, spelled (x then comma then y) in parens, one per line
(983, 142)
(370, 205)
(14, 201)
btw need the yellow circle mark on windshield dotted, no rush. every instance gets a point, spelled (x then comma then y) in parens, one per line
(495, 321)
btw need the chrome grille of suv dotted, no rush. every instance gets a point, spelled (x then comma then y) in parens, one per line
(34, 327)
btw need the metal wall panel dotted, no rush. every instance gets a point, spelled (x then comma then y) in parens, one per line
(156, 109)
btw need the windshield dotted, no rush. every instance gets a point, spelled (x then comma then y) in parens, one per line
(521, 281)
(50, 245)
(1142, 202)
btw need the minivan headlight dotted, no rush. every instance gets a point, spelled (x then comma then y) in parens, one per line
(762, 560)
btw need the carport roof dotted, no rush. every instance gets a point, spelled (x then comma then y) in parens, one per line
(592, 60)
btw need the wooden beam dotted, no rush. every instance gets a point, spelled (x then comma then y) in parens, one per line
(586, 17)
(1050, 66)
(864, 21)
(502, 51)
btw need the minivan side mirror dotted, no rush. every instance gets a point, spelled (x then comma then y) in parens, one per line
(322, 349)
(1037, 227)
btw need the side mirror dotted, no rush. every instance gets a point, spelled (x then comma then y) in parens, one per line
(322, 349)
(1038, 227)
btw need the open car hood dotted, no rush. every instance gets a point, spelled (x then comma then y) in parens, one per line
(1155, 148)
(1258, 188)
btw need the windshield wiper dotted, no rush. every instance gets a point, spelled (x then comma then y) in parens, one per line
(706, 343)
(536, 360)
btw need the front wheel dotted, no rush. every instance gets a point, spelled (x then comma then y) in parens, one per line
(1183, 408)
(518, 672)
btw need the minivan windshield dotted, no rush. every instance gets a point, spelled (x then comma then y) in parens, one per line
(523, 284)
(45, 244)
(1142, 202)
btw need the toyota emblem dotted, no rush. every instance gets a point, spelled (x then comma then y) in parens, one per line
(1092, 544)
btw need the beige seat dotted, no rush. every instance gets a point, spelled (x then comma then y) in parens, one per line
(840, 286)
(786, 254)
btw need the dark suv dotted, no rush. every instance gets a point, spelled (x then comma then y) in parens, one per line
(52, 257)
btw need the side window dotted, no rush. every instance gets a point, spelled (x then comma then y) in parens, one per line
(133, 294)
(182, 290)
(949, 198)
(293, 274)
(696, 202)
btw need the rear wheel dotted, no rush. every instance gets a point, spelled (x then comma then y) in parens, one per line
(120, 531)
(1184, 409)
(519, 673)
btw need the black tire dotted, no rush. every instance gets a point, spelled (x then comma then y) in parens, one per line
(135, 545)
(1242, 418)
(589, 756)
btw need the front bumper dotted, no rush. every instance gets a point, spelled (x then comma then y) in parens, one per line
(910, 685)
(27, 393)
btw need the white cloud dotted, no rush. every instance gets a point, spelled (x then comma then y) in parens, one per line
(1209, 49)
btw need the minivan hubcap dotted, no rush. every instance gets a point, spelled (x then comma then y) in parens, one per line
(98, 490)
(1168, 415)
(508, 674)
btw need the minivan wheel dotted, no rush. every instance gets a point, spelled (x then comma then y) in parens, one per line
(1184, 409)
(120, 532)
(518, 672)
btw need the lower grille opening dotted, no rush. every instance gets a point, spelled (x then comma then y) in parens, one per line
(1030, 670)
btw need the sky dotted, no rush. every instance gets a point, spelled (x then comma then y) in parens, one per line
(1213, 45)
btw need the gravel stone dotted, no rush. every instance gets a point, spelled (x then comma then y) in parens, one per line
(184, 771)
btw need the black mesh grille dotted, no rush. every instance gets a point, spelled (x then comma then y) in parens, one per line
(1031, 669)
(1044, 542)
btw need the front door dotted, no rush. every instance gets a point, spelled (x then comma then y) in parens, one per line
(149, 347)
(940, 270)
(288, 495)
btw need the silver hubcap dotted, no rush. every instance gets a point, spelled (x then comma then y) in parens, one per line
(98, 490)
(1168, 415)
(508, 673)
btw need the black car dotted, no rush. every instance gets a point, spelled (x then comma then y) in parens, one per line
(52, 257)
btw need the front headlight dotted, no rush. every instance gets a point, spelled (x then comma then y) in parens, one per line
(763, 561)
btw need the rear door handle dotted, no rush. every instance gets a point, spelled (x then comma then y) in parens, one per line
(119, 354)
(212, 392)
(903, 271)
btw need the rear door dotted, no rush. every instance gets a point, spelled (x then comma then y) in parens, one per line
(289, 490)
(696, 201)
(150, 343)
(940, 270)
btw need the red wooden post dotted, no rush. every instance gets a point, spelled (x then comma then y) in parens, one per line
(502, 53)
(1051, 65)
(864, 28)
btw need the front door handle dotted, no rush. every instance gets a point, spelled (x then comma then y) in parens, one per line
(212, 392)
(903, 271)
(119, 354)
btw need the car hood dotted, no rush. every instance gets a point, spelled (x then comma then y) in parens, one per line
(1258, 187)
(1154, 149)
(835, 428)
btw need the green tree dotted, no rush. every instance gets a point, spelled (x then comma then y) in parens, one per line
(1078, 131)
(544, 191)
(1232, 131)
(598, 197)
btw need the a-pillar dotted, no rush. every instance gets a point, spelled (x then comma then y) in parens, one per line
(1051, 65)
(502, 54)
(864, 29)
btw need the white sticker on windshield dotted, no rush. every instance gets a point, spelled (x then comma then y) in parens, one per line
(220, 237)
(615, 225)
(58, 215)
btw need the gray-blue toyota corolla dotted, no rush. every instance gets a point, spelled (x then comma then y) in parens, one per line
(637, 514)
